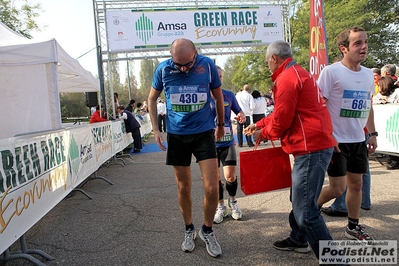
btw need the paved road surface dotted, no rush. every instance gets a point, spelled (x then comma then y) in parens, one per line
(136, 221)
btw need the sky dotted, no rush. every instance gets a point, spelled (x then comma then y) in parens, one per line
(71, 24)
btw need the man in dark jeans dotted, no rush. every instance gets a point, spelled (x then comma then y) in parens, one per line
(247, 104)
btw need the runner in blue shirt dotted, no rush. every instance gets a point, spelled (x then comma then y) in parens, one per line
(227, 155)
(187, 80)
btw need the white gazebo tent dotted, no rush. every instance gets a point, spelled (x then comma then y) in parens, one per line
(32, 74)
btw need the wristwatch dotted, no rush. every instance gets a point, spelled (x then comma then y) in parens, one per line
(220, 125)
(375, 133)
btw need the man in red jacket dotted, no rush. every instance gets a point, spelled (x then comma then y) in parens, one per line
(96, 117)
(302, 122)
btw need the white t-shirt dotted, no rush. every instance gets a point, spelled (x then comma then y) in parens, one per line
(246, 102)
(260, 105)
(161, 108)
(378, 99)
(394, 97)
(349, 100)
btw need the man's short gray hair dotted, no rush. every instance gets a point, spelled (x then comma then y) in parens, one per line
(280, 48)
(390, 69)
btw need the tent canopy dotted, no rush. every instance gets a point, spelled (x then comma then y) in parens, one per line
(32, 74)
(16, 50)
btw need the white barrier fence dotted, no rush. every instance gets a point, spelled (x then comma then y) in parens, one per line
(386, 118)
(38, 170)
(145, 124)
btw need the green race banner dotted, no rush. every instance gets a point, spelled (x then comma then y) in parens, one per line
(132, 30)
(38, 170)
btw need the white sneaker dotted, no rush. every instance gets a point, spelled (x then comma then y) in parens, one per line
(188, 244)
(235, 210)
(212, 245)
(221, 212)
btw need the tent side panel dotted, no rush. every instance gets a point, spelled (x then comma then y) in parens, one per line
(27, 102)
(54, 96)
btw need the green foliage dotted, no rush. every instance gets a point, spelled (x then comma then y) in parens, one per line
(125, 92)
(19, 15)
(146, 73)
(130, 80)
(116, 83)
(229, 70)
(73, 105)
(247, 69)
(381, 22)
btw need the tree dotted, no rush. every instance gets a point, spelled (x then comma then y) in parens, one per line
(230, 68)
(112, 73)
(381, 22)
(146, 73)
(253, 70)
(247, 69)
(19, 16)
(73, 105)
(116, 78)
(130, 80)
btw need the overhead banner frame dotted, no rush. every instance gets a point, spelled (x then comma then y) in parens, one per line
(106, 55)
(130, 30)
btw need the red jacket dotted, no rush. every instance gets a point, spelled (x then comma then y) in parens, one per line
(300, 117)
(95, 117)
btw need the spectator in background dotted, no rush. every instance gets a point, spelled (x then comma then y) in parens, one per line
(130, 106)
(390, 70)
(269, 99)
(260, 106)
(116, 103)
(377, 76)
(116, 99)
(161, 110)
(132, 126)
(386, 89)
(144, 108)
(138, 108)
(92, 110)
(247, 104)
(96, 117)
(138, 111)
(270, 103)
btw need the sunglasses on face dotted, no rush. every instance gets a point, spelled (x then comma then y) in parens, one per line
(185, 65)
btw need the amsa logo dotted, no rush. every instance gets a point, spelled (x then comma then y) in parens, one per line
(144, 28)
(171, 26)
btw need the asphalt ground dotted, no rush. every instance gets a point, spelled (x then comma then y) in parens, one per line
(136, 221)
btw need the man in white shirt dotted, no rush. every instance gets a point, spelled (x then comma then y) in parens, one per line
(348, 87)
(247, 104)
(161, 110)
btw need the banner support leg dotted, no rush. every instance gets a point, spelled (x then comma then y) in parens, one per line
(25, 254)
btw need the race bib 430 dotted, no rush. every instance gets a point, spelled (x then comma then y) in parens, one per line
(187, 98)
